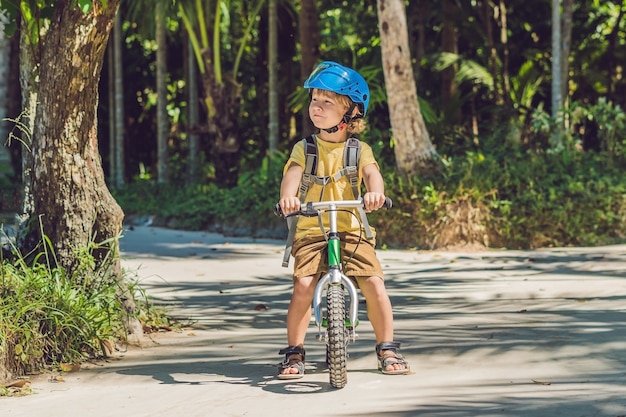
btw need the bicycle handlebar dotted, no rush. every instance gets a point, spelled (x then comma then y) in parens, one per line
(311, 209)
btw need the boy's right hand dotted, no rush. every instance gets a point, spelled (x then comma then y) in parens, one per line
(289, 204)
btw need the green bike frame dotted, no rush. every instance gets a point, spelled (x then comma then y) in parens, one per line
(335, 276)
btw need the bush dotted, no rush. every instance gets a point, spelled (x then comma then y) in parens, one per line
(508, 197)
(48, 318)
(244, 210)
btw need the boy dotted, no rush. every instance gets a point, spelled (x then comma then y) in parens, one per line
(339, 99)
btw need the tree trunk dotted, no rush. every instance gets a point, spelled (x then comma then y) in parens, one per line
(273, 76)
(5, 54)
(29, 70)
(556, 58)
(161, 88)
(221, 92)
(194, 117)
(413, 150)
(14, 105)
(504, 42)
(417, 13)
(613, 68)
(310, 47)
(566, 40)
(449, 44)
(69, 192)
(111, 104)
(222, 126)
(488, 17)
(118, 155)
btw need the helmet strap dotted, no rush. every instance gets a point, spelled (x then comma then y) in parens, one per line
(345, 120)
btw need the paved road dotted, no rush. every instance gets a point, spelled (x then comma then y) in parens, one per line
(495, 333)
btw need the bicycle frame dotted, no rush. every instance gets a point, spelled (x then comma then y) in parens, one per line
(335, 276)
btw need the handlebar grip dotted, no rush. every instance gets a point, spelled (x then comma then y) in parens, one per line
(388, 203)
(278, 211)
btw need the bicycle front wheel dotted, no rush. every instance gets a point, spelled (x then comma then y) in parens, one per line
(337, 341)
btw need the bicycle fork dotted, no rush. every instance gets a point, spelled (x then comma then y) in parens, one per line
(335, 277)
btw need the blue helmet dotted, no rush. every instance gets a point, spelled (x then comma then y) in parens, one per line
(331, 76)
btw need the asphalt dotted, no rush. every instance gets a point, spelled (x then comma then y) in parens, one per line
(487, 333)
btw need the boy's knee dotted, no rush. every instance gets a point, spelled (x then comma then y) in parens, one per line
(304, 285)
(373, 283)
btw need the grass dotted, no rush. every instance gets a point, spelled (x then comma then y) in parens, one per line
(50, 319)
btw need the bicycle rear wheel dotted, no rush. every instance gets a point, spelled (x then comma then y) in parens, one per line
(337, 341)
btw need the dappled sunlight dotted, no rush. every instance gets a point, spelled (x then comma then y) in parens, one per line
(154, 243)
(494, 333)
(224, 304)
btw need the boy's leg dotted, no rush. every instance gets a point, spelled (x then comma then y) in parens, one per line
(379, 310)
(299, 315)
(380, 314)
(299, 312)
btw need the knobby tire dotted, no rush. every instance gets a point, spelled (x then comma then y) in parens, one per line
(337, 342)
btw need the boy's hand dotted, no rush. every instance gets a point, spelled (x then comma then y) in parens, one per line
(289, 204)
(373, 201)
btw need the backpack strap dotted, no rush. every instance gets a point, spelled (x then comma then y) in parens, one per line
(308, 179)
(351, 157)
(310, 167)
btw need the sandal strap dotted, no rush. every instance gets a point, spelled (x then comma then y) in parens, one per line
(293, 350)
(392, 346)
(392, 359)
(294, 358)
(387, 353)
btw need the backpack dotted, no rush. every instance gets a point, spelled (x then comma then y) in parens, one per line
(351, 158)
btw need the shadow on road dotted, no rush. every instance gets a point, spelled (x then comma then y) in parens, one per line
(506, 333)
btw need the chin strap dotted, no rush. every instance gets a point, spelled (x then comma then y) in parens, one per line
(334, 129)
(347, 118)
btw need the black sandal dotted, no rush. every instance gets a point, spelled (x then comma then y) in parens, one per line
(391, 357)
(294, 358)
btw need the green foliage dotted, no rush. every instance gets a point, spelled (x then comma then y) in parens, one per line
(604, 117)
(258, 191)
(498, 81)
(48, 318)
(36, 14)
(564, 198)
(504, 196)
(526, 201)
(194, 207)
(611, 122)
(142, 196)
(208, 206)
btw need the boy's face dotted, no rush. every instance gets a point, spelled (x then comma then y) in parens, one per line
(326, 108)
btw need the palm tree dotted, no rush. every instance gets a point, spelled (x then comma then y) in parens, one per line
(413, 149)
(193, 117)
(206, 23)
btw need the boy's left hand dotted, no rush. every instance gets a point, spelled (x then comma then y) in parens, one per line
(373, 201)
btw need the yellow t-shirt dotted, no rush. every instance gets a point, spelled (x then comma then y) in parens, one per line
(329, 162)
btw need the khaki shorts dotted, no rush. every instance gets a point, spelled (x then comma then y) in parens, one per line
(311, 259)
